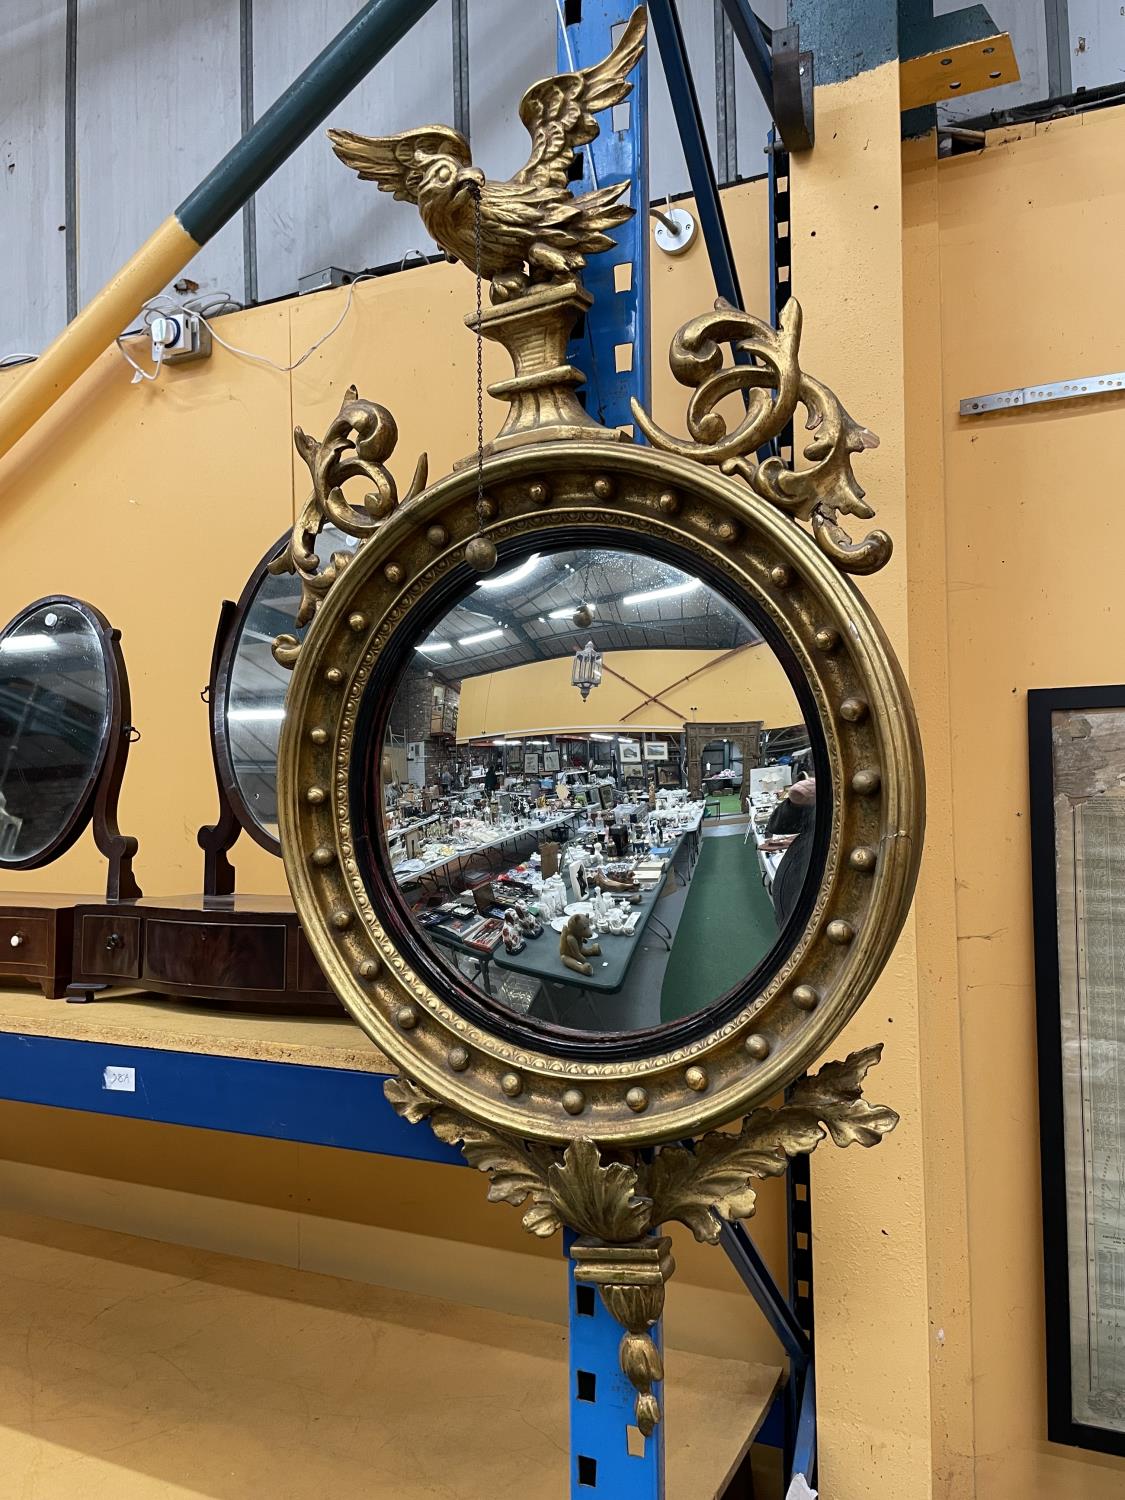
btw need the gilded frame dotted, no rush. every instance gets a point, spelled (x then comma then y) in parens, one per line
(544, 489)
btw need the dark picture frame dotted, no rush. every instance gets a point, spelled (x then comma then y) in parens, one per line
(1042, 706)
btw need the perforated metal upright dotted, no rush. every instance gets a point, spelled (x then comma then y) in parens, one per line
(608, 1455)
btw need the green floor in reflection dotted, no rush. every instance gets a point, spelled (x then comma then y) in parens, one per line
(727, 927)
(729, 803)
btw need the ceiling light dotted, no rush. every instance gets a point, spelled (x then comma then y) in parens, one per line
(665, 593)
(567, 613)
(431, 646)
(514, 576)
(601, 736)
(485, 635)
(256, 715)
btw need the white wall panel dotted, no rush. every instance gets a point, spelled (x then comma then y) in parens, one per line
(158, 102)
(1024, 19)
(314, 212)
(667, 168)
(1097, 43)
(32, 192)
(510, 48)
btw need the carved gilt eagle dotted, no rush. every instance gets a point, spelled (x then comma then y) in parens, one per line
(531, 227)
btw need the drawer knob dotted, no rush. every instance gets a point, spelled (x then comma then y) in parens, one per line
(16, 939)
(113, 941)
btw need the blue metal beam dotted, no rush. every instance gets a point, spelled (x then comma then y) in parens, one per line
(689, 120)
(746, 1259)
(283, 1101)
(608, 1454)
(751, 37)
(804, 1453)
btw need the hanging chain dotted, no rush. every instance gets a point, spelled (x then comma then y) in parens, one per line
(475, 191)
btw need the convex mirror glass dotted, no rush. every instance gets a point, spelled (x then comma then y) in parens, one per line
(582, 818)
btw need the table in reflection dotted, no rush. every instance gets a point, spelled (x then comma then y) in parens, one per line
(542, 961)
(416, 870)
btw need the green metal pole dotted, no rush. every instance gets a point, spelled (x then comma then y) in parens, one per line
(347, 59)
(352, 54)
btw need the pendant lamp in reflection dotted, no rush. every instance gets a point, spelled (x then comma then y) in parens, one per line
(586, 671)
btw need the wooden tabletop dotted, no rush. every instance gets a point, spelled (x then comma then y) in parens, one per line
(135, 1019)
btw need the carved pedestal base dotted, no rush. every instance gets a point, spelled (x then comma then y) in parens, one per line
(535, 327)
(617, 1204)
(631, 1280)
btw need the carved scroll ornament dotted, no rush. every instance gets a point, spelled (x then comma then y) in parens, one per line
(359, 440)
(770, 379)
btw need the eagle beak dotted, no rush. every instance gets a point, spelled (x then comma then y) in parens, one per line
(469, 179)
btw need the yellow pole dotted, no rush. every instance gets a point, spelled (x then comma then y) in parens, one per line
(161, 256)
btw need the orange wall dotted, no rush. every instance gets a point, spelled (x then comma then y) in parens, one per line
(1028, 240)
(539, 696)
(1007, 272)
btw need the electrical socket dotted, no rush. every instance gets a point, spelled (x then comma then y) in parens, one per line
(181, 336)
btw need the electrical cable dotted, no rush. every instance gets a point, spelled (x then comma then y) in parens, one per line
(163, 304)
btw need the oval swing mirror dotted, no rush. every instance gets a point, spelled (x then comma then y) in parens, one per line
(247, 700)
(63, 737)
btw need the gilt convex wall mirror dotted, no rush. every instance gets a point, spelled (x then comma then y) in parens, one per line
(591, 1099)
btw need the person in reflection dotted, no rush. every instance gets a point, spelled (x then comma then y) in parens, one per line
(797, 814)
(490, 779)
(786, 816)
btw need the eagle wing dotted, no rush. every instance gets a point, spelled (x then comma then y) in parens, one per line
(559, 112)
(397, 162)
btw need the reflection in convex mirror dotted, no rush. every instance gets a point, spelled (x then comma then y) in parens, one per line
(566, 832)
(54, 726)
(256, 684)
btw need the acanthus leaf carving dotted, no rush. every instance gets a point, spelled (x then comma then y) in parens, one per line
(701, 1185)
(618, 1205)
(596, 1199)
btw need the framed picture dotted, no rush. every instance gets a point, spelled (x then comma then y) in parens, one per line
(1076, 742)
(607, 794)
(630, 753)
(656, 750)
(550, 760)
(531, 763)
